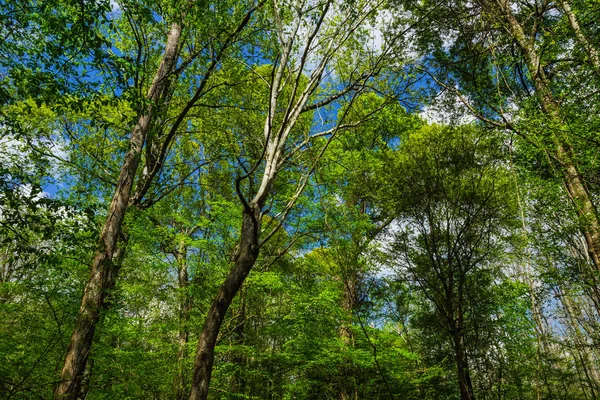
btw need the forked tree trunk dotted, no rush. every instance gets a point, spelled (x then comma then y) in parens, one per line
(102, 273)
(244, 261)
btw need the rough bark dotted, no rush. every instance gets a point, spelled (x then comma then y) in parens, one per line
(573, 180)
(244, 261)
(103, 273)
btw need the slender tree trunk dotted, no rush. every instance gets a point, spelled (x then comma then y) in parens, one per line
(579, 342)
(583, 41)
(185, 306)
(102, 271)
(244, 261)
(349, 302)
(573, 180)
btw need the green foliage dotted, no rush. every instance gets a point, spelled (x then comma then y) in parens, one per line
(408, 239)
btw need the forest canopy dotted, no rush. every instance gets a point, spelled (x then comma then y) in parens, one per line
(299, 199)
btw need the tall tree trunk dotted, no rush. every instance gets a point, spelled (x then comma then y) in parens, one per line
(583, 41)
(573, 180)
(185, 306)
(117, 262)
(349, 302)
(103, 273)
(579, 342)
(244, 261)
(462, 367)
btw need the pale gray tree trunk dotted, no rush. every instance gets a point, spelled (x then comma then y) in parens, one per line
(583, 41)
(572, 178)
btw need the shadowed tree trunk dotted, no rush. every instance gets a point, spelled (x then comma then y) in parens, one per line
(349, 304)
(185, 306)
(244, 261)
(462, 367)
(103, 271)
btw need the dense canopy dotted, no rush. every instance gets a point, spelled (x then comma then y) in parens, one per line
(299, 199)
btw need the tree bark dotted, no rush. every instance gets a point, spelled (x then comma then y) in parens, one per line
(462, 367)
(102, 273)
(244, 261)
(185, 307)
(349, 302)
(583, 41)
(579, 342)
(573, 180)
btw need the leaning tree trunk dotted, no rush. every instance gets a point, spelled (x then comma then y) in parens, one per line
(572, 178)
(244, 261)
(594, 59)
(579, 342)
(117, 261)
(103, 273)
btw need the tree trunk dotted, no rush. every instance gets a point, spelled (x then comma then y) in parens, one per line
(583, 41)
(245, 259)
(103, 273)
(573, 180)
(579, 342)
(185, 306)
(348, 388)
(117, 261)
(462, 367)
(349, 302)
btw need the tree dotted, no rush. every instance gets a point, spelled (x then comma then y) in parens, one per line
(336, 27)
(508, 59)
(148, 135)
(451, 214)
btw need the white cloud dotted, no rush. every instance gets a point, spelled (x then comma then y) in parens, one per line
(447, 108)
